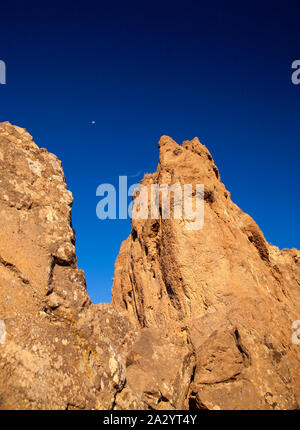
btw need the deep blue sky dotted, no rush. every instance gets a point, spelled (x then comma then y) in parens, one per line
(219, 70)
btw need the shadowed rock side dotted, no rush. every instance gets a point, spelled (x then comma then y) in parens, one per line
(199, 319)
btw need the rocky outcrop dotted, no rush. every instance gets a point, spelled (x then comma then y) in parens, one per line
(60, 350)
(233, 294)
(54, 356)
(199, 319)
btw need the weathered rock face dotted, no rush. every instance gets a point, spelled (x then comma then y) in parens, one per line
(234, 295)
(198, 319)
(54, 355)
(60, 351)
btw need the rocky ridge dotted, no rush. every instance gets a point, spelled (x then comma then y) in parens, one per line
(199, 319)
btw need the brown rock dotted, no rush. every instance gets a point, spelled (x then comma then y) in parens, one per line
(158, 372)
(199, 319)
(236, 295)
(60, 351)
(53, 357)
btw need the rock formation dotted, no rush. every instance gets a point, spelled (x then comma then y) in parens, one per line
(199, 319)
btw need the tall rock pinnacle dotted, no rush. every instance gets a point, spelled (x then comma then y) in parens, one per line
(234, 295)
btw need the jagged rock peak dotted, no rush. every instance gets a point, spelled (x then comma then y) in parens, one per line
(223, 288)
(57, 349)
(199, 319)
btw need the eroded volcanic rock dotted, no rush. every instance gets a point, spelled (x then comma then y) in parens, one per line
(233, 295)
(60, 350)
(199, 319)
(55, 356)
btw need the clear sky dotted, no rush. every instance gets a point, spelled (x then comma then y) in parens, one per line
(219, 70)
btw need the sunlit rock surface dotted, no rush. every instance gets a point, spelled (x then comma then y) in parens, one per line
(199, 319)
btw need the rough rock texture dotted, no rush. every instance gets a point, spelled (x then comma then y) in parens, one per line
(60, 350)
(233, 294)
(199, 319)
(54, 355)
